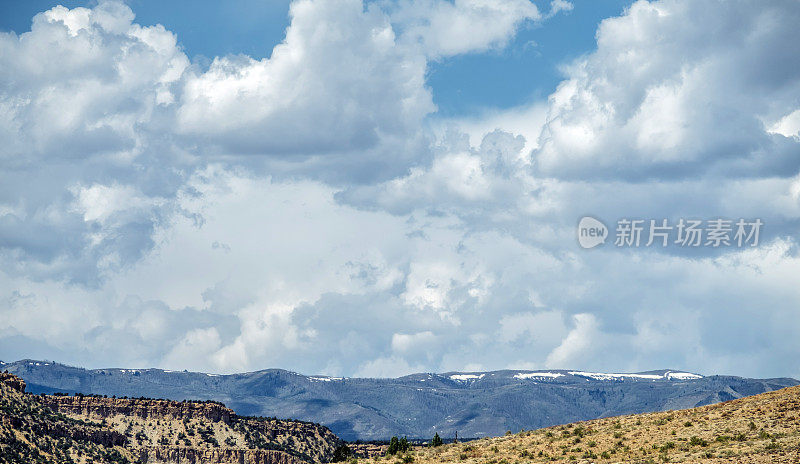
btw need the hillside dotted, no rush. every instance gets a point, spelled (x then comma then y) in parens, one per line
(474, 404)
(30, 433)
(83, 429)
(760, 429)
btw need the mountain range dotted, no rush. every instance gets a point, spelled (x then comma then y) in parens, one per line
(472, 404)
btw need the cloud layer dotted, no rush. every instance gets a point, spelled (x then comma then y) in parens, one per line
(311, 211)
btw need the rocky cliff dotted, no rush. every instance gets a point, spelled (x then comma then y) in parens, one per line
(142, 408)
(84, 429)
(32, 433)
(163, 454)
(13, 382)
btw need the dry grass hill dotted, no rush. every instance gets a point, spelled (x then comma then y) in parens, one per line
(759, 429)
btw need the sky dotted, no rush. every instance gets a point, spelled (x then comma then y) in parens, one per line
(378, 188)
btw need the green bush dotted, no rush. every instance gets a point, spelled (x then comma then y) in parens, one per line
(696, 441)
(341, 453)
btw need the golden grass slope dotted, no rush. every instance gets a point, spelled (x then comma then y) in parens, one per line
(759, 429)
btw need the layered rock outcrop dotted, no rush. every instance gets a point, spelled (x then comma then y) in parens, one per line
(165, 455)
(150, 431)
(98, 407)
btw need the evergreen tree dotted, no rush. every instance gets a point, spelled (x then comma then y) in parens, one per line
(404, 444)
(397, 446)
(394, 446)
(437, 440)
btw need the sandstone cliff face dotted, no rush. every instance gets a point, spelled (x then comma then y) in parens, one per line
(150, 431)
(165, 455)
(96, 407)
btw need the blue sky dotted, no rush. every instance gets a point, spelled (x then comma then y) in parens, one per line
(528, 69)
(376, 188)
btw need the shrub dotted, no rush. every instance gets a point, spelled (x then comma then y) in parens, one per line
(773, 445)
(696, 441)
(341, 453)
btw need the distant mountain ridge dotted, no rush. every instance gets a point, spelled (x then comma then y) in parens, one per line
(474, 404)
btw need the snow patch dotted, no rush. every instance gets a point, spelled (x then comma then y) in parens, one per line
(324, 379)
(538, 375)
(682, 376)
(669, 375)
(466, 377)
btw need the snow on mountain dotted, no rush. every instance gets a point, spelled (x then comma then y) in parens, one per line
(682, 376)
(538, 375)
(324, 379)
(466, 377)
(668, 375)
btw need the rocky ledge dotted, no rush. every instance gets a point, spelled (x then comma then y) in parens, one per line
(158, 455)
(99, 407)
(13, 381)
